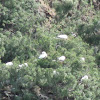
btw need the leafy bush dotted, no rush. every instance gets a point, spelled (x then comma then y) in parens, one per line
(24, 35)
(18, 47)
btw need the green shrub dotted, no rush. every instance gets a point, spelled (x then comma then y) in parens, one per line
(24, 35)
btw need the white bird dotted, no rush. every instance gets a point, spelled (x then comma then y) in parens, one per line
(84, 78)
(54, 72)
(43, 55)
(9, 64)
(20, 65)
(82, 59)
(25, 64)
(62, 58)
(62, 36)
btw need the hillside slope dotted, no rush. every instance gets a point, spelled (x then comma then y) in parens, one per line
(49, 50)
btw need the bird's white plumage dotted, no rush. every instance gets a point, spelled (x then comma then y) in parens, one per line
(62, 36)
(43, 55)
(54, 72)
(9, 64)
(20, 65)
(84, 78)
(62, 58)
(25, 64)
(82, 59)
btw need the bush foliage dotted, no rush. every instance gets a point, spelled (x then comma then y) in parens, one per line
(27, 29)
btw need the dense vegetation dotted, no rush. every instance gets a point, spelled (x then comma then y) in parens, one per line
(29, 27)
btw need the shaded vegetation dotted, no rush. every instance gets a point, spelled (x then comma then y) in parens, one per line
(29, 27)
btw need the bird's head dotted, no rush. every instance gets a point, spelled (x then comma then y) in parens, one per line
(43, 52)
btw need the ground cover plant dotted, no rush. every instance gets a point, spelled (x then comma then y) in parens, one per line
(49, 50)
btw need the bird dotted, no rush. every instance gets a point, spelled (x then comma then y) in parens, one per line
(43, 55)
(82, 59)
(84, 78)
(9, 64)
(54, 72)
(62, 58)
(25, 64)
(62, 37)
